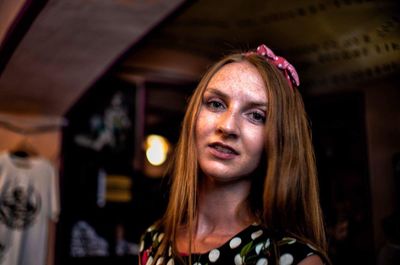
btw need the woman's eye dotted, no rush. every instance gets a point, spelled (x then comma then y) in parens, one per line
(215, 105)
(257, 117)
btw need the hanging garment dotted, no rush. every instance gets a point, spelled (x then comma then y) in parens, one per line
(28, 200)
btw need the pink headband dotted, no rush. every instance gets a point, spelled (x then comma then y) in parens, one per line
(288, 70)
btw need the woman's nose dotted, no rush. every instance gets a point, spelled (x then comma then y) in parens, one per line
(228, 124)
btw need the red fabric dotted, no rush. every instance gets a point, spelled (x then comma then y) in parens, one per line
(281, 63)
(145, 256)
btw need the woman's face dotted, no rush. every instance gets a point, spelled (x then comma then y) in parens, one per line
(230, 125)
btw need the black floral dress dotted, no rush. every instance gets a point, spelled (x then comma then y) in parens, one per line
(251, 246)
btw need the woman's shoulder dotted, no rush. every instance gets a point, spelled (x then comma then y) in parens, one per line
(292, 250)
(263, 243)
(153, 235)
(149, 243)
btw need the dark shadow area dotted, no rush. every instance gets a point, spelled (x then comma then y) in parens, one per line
(341, 153)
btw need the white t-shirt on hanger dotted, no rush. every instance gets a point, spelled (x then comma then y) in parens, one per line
(28, 199)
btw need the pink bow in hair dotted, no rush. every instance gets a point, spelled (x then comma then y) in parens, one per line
(281, 63)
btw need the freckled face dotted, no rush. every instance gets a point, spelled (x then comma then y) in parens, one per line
(230, 125)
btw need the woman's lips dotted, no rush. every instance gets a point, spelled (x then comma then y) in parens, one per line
(222, 151)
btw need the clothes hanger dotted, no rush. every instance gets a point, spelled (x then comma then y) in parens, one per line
(24, 149)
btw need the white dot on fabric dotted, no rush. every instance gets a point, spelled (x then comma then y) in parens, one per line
(160, 237)
(238, 260)
(290, 240)
(160, 261)
(256, 234)
(258, 248)
(141, 246)
(286, 259)
(214, 255)
(155, 236)
(267, 243)
(262, 262)
(171, 262)
(169, 252)
(149, 261)
(235, 242)
(197, 263)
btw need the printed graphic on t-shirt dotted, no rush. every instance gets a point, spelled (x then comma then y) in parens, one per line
(19, 205)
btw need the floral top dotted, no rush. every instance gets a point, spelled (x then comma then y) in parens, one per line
(251, 246)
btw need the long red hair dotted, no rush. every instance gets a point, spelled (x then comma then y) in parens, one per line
(289, 199)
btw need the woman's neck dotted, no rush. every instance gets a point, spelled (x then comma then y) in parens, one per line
(223, 207)
(223, 212)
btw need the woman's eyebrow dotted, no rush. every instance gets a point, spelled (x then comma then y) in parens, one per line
(258, 104)
(216, 92)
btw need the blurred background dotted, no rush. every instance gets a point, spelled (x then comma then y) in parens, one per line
(99, 88)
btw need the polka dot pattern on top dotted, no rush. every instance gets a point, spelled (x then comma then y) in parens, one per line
(251, 246)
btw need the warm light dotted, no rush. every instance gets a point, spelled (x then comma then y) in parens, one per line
(156, 149)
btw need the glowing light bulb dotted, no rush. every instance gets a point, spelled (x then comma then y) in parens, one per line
(156, 149)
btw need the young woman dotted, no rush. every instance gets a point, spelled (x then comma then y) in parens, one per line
(244, 186)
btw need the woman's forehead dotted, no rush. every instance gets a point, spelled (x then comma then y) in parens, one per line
(238, 78)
